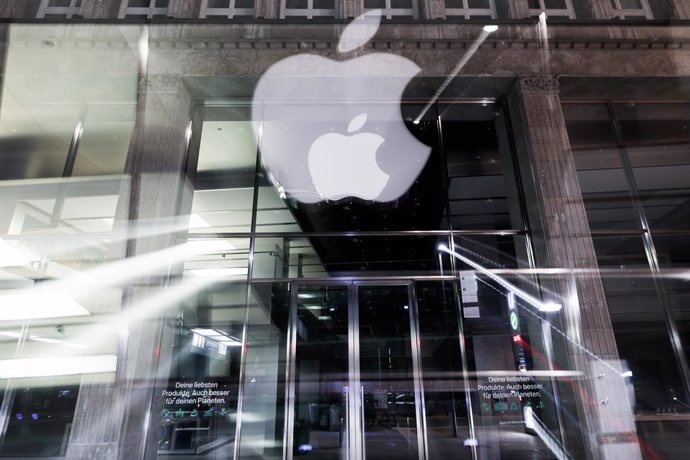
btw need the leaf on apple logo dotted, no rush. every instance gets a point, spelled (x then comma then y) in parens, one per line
(357, 122)
(359, 31)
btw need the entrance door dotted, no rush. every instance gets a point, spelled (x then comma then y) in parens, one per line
(354, 386)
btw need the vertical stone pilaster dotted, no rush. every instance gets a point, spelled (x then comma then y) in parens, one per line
(100, 9)
(119, 420)
(267, 9)
(19, 9)
(184, 9)
(682, 9)
(602, 9)
(432, 9)
(350, 8)
(562, 239)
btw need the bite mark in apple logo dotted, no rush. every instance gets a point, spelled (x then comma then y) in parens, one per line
(301, 105)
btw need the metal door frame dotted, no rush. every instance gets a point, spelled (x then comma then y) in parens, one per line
(355, 442)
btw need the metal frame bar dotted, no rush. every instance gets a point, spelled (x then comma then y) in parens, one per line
(148, 11)
(355, 442)
(388, 12)
(309, 11)
(69, 11)
(416, 345)
(230, 12)
(623, 13)
(468, 13)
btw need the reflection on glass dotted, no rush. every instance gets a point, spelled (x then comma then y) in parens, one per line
(444, 390)
(223, 158)
(642, 336)
(263, 405)
(390, 418)
(657, 141)
(478, 192)
(602, 179)
(199, 402)
(326, 256)
(321, 372)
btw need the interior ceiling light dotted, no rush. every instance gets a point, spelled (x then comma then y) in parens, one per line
(12, 255)
(217, 336)
(38, 303)
(195, 246)
(50, 366)
(219, 272)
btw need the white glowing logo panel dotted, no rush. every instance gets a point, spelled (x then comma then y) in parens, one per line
(333, 129)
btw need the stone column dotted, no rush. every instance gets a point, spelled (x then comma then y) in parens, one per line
(19, 9)
(602, 9)
(432, 9)
(99, 9)
(562, 239)
(350, 8)
(682, 9)
(120, 420)
(267, 9)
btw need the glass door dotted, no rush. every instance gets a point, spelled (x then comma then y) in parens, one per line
(354, 389)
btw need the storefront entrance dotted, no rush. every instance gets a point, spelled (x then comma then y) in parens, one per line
(354, 387)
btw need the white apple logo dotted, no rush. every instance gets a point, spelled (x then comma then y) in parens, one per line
(301, 105)
(335, 160)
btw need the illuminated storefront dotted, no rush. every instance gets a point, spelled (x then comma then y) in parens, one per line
(277, 233)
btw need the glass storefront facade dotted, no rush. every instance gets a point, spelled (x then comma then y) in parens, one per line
(234, 235)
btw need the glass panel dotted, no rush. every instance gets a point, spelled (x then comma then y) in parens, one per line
(555, 4)
(300, 4)
(200, 399)
(657, 142)
(321, 372)
(386, 373)
(321, 256)
(263, 409)
(631, 4)
(484, 4)
(642, 338)
(599, 168)
(673, 254)
(371, 4)
(46, 94)
(331, 190)
(478, 191)
(324, 4)
(447, 421)
(512, 349)
(401, 3)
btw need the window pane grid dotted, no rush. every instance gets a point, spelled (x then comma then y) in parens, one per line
(467, 12)
(567, 11)
(622, 10)
(389, 12)
(48, 7)
(148, 11)
(230, 11)
(309, 12)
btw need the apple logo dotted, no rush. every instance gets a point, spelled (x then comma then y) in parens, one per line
(330, 129)
(333, 157)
